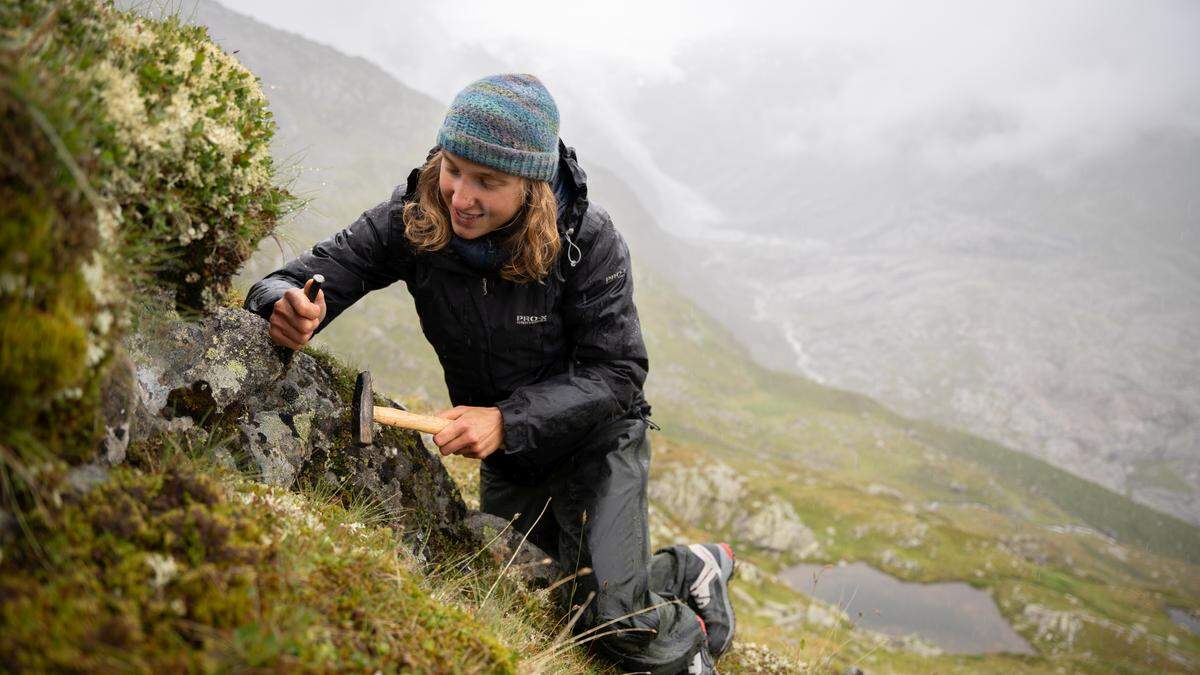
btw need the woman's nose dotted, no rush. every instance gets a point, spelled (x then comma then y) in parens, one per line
(463, 199)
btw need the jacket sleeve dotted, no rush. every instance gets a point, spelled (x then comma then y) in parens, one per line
(368, 255)
(608, 364)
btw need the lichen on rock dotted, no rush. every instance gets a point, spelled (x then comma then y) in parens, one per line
(288, 419)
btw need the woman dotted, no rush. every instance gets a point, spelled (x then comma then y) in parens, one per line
(525, 291)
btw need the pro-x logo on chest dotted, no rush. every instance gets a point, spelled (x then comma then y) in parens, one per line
(530, 319)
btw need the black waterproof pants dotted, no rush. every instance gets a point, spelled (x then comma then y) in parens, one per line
(595, 517)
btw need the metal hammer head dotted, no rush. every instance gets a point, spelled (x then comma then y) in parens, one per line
(362, 410)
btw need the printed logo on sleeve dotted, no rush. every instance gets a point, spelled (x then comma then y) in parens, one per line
(614, 276)
(531, 319)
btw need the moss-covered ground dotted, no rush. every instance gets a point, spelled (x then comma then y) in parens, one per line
(133, 162)
(189, 568)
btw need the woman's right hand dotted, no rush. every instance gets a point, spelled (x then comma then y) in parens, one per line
(295, 317)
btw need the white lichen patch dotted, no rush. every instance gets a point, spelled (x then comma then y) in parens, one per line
(95, 354)
(226, 377)
(303, 425)
(199, 118)
(227, 140)
(133, 35)
(296, 516)
(123, 104)
(164, 567)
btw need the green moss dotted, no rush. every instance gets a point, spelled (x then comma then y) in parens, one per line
(182, 571)
(133, 159)
(52, 348)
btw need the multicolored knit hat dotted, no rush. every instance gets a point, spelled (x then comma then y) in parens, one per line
(508, 122)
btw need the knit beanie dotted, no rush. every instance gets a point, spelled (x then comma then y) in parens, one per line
(508, 122)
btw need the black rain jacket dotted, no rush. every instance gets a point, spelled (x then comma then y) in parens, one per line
(558, 358)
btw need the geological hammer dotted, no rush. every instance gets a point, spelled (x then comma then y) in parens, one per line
(364, 412)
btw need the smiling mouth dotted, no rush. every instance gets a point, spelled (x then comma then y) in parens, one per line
(467, 218)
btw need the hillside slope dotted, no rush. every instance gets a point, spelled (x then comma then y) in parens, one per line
(1083, 574)
(1047, 303)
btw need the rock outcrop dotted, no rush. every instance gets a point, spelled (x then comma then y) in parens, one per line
(531, 564)
(221, 381)
(719, 498)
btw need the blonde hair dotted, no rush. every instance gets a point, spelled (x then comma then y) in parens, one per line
(533, 245)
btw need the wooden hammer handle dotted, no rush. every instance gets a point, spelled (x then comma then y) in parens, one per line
(406, 420)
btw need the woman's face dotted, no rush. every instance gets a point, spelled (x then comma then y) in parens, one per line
(480, 198)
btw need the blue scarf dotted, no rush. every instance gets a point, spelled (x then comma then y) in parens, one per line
(482, 254)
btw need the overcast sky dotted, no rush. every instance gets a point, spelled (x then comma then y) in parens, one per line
(958, 85)
(1077, 72)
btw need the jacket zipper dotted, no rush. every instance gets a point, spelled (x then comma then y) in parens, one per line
(481, 309)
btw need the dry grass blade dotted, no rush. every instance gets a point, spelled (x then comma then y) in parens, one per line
(583, 572)
(566, 630)
(516, 551)
(594, 633)
(468, 559)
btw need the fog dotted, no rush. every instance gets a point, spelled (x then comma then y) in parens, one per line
(957, 86)
(984, 214)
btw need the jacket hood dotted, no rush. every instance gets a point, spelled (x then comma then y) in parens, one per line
(570, 171)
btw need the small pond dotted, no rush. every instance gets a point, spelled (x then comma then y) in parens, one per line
(1185, 619)
(953, 616)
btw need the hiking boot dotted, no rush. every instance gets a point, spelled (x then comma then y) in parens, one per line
(710, 567)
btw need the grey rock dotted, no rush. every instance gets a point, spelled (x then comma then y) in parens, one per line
(84, 478)
(408, 484)
(189, 369)
(531, 565)
(190, 373)
(719, 498)
(273, 447)
(289, 420)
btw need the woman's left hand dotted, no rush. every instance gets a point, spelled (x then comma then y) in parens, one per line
(473, 432)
